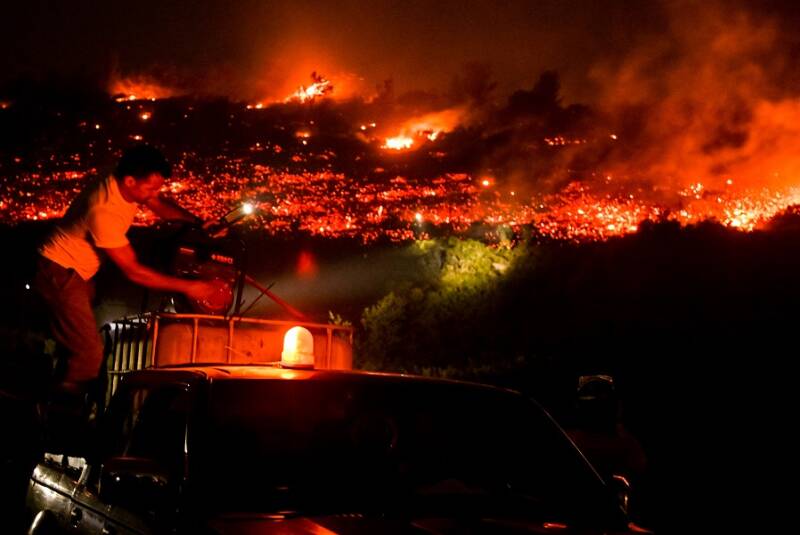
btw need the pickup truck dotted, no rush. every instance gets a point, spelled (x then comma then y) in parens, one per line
(264, 449)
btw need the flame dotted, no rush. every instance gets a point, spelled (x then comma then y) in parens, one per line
(318, 88)
(139, 88)
(429, 126)
(438, 122)
(400, 142)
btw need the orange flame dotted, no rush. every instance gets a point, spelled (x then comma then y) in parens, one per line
(432, 125)
(398, 143)
(429, 126)
(140, 88)
(318, 88)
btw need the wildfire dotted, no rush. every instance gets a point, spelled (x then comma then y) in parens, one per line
(318, 88)
(317, 190)
(331, 205)
(398, 143)
(129, 89)
(429, 126)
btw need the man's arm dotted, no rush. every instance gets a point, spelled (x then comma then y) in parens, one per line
(125, 258)
(167, 209)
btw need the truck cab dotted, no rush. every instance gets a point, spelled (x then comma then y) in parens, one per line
(267, 449)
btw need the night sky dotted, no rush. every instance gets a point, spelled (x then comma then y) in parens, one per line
(251, 48)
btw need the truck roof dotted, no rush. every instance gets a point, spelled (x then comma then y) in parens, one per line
(222, 372)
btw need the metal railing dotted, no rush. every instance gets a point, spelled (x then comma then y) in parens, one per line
(132, 343)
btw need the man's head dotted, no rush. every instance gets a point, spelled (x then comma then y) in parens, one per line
(597, 404)
(140, 173)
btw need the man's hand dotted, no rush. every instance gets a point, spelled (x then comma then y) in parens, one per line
(125, 259)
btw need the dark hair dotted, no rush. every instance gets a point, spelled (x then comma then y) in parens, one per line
(140, 161)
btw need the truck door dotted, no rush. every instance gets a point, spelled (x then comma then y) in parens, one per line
(146, 439)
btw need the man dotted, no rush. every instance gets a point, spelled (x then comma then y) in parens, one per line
(95, 227)
(602, 436)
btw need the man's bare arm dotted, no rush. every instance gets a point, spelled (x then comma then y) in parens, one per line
(169, 210)
(125, 258)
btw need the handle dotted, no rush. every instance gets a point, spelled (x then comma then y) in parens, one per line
(75, 516)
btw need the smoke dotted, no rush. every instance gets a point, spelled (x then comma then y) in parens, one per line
(708, 101)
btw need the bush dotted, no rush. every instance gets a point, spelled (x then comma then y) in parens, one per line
(439, 317)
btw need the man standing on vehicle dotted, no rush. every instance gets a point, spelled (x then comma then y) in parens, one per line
(94, 227)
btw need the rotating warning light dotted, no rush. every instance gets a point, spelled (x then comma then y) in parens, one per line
(298, 348)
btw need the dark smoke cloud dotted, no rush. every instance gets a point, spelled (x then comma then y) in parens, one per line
(713, 98)
(252, 49)
(710, 97)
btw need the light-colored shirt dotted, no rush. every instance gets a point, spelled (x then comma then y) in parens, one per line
(98, 218)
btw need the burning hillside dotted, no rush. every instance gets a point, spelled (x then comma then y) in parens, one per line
(314, 169)
(706, 136)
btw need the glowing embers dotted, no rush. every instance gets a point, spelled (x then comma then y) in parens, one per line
(318, 88)
(303, 136)
(560, 141)
(372, 208)
(576, 213)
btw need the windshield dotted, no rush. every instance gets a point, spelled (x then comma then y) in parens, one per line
(364, 444)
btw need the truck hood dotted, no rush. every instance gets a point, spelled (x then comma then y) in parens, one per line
(345, 524)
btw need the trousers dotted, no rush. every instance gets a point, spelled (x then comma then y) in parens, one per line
(72, 320)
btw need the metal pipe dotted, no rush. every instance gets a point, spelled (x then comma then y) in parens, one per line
(154, 352)
(194, 339)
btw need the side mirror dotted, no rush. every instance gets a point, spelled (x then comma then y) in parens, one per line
(134, 483)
